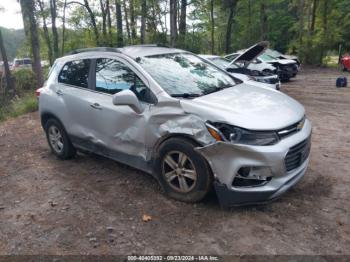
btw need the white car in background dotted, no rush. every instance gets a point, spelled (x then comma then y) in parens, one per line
(254, 56)
(279, 55)
(262, 81)
(22, 63)
(255, 64)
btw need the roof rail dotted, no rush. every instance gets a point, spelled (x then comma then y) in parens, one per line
(98, 49)
(150, 45)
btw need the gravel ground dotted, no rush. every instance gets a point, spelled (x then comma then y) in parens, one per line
(92, 205)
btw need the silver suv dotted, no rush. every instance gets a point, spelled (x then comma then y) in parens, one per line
(170, 113)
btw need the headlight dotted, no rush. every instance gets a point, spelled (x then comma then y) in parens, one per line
(225, 132)
(262, 80)
(251, 78)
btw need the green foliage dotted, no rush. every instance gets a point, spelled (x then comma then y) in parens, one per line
(25, 80)
(19, 106)
(24, 101)
(287, 26)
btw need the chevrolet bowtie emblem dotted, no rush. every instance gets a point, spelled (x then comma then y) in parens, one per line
(301, 124)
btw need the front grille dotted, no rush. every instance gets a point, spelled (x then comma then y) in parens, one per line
(297, 154)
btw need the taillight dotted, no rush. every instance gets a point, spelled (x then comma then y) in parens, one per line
(37, 92)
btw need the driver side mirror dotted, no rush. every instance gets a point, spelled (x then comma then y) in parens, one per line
(128, 98)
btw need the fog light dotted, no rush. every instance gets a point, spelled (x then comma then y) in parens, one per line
(252, 176)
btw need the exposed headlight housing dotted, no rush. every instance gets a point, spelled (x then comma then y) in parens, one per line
(262, 80)
(237, 135)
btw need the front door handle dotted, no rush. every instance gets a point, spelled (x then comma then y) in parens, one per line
(96, 106)
(59, 92)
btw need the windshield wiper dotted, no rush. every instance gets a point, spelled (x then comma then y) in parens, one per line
(186, 95)
(213, 90)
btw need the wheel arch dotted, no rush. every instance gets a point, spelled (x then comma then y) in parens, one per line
(45, 116)
(167, 137)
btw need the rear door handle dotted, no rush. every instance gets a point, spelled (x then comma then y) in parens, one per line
(96, 106)
(59, 92)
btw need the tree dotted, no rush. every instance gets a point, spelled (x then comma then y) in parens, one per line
(29, 21)
(119, 23)
(263, 20)
(182, 23)
(63, 26)
(173, 22)
(109, 22)
(104, 12)
(126, 20)
(212, 28)
(132, 21)
(143, 20)
(92, 18)
(46, 31)
(53, 9)
(231, 6)
(10, 86)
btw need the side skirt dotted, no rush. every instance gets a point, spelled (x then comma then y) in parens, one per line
(133, 161)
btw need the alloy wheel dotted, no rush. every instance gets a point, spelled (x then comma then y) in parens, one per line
(56, 139)
(179, 171)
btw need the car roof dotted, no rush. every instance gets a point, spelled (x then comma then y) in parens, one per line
(135, 51)
(132, 51)
(26, 58)
(210, 56)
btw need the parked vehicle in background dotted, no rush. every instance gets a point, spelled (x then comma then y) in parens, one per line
(271, 81)
(345, 62)
(45, 63)
(286, 68)
(254, 65)
(278, 55)
(21, 63)
(178, 117)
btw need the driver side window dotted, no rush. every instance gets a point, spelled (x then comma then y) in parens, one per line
(113, 76)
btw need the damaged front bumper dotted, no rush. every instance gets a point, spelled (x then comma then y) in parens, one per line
(268, 172)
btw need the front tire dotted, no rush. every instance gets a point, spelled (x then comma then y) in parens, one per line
(58, 140)
(183, 173)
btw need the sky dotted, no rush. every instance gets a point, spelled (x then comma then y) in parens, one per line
(10, 16)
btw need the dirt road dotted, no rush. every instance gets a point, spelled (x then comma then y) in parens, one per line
(92, 205)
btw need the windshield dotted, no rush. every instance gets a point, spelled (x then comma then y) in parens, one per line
(183, 73)
(221, 62)
(27, 61)
(273, 53)
(266, 58)
(224, 63)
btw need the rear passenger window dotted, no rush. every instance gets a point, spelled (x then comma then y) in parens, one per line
(113, 76)
(75, 73)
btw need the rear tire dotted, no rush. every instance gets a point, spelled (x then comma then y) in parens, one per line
(58, 140)
(182, 172)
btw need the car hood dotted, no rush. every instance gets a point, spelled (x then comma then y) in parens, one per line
(240, 76)
(282, 61)
(251, 53)
(247, 106)
(290, 57)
